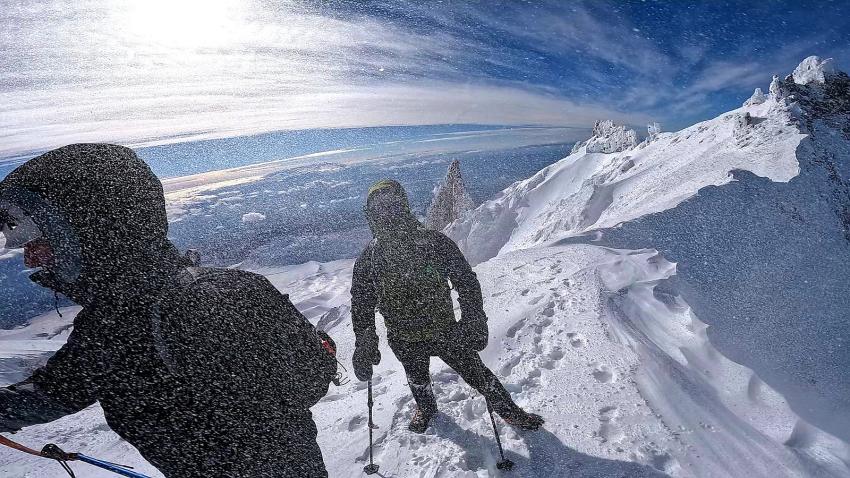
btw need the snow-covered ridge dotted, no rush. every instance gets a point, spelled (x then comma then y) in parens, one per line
(753, 206)
(623, 359)
(623, 372)
(591, 190)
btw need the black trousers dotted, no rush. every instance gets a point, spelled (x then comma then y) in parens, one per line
(415, 357)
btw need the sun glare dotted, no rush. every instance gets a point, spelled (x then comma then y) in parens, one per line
(184, 23)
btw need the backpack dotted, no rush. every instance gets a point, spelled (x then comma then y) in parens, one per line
(413, 293)
(231, 331)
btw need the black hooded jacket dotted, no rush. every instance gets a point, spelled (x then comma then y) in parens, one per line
(407, 273)
(208, 372)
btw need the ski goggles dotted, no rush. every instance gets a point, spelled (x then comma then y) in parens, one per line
(17, 228)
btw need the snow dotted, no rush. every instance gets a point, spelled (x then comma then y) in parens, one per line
(608, 137)
(653, 130)
(588, 191)
(672, 308)
(253, 217)
(813, 70)
(757, 98)
(625, 377)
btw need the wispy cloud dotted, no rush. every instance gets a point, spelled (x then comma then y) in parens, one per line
(142, 71)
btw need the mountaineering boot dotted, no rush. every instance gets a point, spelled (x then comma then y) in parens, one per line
(420, 420)
(510, 412)
(426, 407)
(521, 419)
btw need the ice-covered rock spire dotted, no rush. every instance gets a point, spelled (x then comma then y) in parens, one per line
(775, 87)
(653, 130)
(757, 98)
(450, 200)
(608, 138)
(814, 70)
(818, 88)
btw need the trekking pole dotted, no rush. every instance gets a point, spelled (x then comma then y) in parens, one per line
(371, 468)
(53, 452)
(504, 464)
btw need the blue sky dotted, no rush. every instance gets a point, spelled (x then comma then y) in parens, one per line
(151, 71)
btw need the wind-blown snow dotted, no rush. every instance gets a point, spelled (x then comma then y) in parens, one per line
(710, 342)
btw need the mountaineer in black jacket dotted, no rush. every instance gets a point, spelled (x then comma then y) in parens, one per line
(207, 372)
(407, 273)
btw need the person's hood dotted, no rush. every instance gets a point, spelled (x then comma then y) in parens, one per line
(114, 206)
(388, 211)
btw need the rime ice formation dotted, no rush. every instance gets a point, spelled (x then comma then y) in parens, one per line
(757, 98)
(608, 137)
(813, 70)
(653, 130)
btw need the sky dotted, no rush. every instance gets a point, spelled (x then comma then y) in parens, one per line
(143, 72)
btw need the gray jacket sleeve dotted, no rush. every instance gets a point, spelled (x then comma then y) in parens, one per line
(63, 386)
(364, 299)
(463, 278)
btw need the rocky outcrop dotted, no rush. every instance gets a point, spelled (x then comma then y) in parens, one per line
(814, 70)
(608, 138)
(758, 98)
(450, 200)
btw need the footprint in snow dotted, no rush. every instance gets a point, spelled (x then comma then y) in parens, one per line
(603, 373)
(609, 430)
(508, 367)
(515, 328)
(576, 340)
(356, 422)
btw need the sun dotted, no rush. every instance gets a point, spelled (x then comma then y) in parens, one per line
(183, 23)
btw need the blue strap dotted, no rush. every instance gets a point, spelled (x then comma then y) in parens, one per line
(121, 470)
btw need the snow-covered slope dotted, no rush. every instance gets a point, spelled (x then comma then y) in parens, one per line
(623, 373)
(591, 190)
(753, 206)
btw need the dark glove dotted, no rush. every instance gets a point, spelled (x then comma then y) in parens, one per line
(472, 333)
(366, 355)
